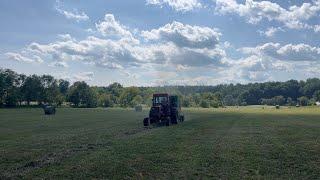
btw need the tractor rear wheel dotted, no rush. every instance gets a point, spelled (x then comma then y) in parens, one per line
(167, 121)
(181, 118)
(146, 122)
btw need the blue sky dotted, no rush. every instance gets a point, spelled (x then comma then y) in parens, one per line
(161, 42)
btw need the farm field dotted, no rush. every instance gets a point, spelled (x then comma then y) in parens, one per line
(226, 143)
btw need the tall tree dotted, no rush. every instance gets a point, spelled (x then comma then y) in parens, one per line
(127, 95)
(311, 85)
(50, 90)
(32, 89)
(63, 86)
(9, 87)
(316, 95)
(81, 94)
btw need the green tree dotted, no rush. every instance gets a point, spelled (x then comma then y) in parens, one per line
(81, 95)
(316, 95)
(63, 86)
(279, 100)
(32, 89)
(215, 103)
(105, 100)
(187, 101)
(137, 100)
(268, 102)
(303, 101)
(21, 80)
(115, 89)
(12, 91)
(9, 88)
(196, 98)
(290, 102)
(229, 100)
(217, 100)
(127, 95)
(242, 98)
(310, 86)
(50, 90)
(204, 104)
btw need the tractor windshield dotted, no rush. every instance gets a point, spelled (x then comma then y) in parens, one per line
(160, 100)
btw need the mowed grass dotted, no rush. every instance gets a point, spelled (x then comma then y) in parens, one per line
(227, 143)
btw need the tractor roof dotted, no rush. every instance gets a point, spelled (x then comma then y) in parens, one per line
(161, 94)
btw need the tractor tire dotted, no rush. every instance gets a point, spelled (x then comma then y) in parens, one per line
(181, 118)
(174, 120)
(167, 122)
(146, 122)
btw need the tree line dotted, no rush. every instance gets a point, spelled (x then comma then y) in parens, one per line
(34, 90)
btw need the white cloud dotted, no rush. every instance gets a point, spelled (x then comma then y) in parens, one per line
(265, 62)
(259, 63)
(270, 32)
(110, 27)
(255, 76)
(91, 31)
(175, 44)
(65, 37)
(182, 67)
(254, 63)
(20, 58)
(299, 52)
(178, 5)
(317, 28)
(83, 76)
(289, 52)
(227, 45)
(109, 65)
(101, 52)
(199, 57)
(75, 15)
(254, 11)
(185, 35)
(256, 68)
(60, 64)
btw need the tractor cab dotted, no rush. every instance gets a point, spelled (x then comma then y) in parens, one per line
(160, 99)
(160, 105)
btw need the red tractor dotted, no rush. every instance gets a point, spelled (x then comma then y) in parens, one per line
(165, 110)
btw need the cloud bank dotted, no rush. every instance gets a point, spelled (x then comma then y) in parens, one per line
(295, 17)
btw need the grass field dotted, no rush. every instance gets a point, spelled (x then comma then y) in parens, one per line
(226, 143)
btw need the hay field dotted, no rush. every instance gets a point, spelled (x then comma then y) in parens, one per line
(227, 143)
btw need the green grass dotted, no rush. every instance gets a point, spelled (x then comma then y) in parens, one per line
(226, 143)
